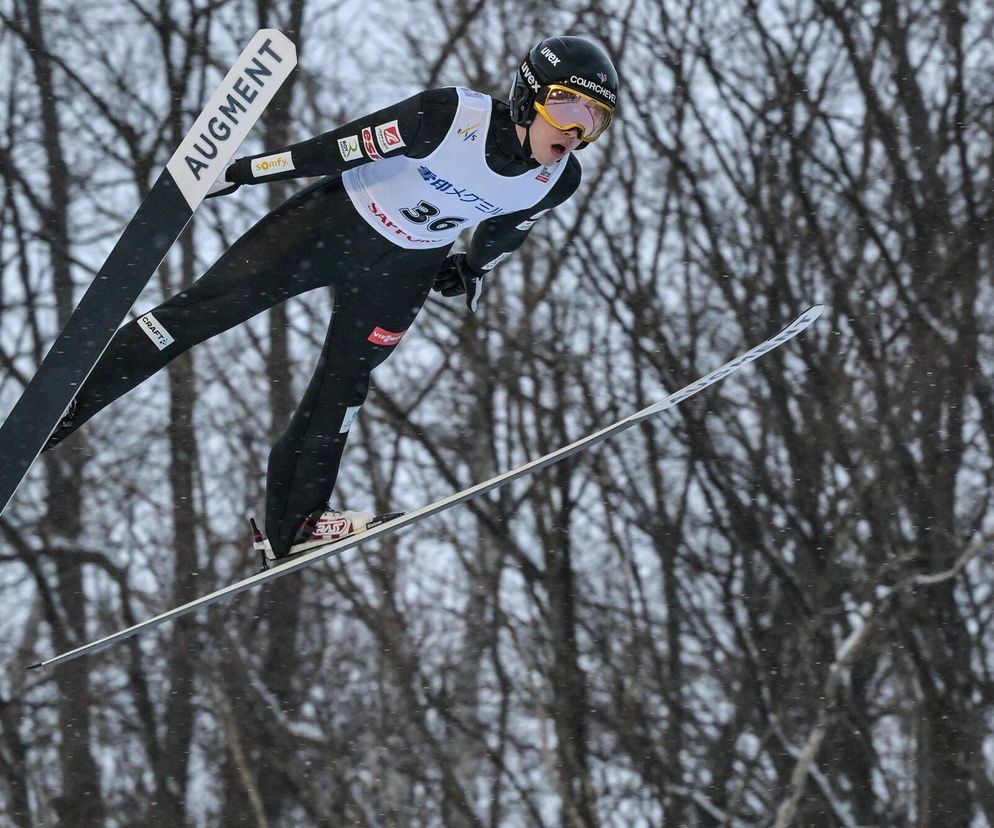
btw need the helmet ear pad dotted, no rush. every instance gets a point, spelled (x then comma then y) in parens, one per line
(522, 95)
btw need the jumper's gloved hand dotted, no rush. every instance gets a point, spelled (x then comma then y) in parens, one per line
(222, 186)
(457, 277)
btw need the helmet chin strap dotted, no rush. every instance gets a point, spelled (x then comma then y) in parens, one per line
(526, 145)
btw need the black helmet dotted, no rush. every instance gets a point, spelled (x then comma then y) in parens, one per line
(573, 62)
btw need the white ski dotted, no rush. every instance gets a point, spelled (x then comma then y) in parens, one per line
(335, 548)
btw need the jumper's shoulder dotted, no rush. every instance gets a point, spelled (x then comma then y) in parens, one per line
(573, 172)
(568, 181)
(441, 98)
(425, 119)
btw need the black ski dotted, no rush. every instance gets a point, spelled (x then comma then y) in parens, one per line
(200, 159)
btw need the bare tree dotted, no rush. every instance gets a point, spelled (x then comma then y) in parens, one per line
(767, 607)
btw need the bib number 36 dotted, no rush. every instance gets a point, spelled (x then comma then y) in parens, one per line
(425, 213)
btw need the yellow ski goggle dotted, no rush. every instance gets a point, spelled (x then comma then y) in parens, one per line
(568, 109)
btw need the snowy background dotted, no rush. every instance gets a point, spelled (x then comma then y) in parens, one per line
(769, 607)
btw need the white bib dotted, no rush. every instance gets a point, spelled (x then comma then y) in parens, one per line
(427, 202)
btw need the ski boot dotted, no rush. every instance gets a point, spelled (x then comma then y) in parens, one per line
(320, 528)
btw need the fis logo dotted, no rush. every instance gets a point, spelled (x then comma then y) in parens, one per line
(468, 133)
(543, 175)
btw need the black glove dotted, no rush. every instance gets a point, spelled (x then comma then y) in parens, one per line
(457, 277)
(222, 186)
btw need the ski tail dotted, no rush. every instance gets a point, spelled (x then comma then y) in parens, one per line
(201, 157)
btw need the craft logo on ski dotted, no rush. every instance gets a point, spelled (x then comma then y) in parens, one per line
(281, 162)
(155, 331)
(367, 142)
(388, 136)
(468, 133)
(349, 147)
(379, 336)
(243, 91)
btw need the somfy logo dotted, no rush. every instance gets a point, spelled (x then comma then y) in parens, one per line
(281, 162)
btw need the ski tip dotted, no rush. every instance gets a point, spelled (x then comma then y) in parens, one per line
(806, 318)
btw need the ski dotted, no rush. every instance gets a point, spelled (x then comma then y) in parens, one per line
(199, 160)
(337, 547)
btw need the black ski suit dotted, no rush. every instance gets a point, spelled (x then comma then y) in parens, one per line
(317, 238)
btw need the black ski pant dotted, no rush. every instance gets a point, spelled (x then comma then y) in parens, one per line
(314, 239)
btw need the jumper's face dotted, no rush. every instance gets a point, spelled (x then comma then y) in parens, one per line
(550, 144)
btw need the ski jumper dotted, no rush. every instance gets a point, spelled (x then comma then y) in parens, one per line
(399, 186)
